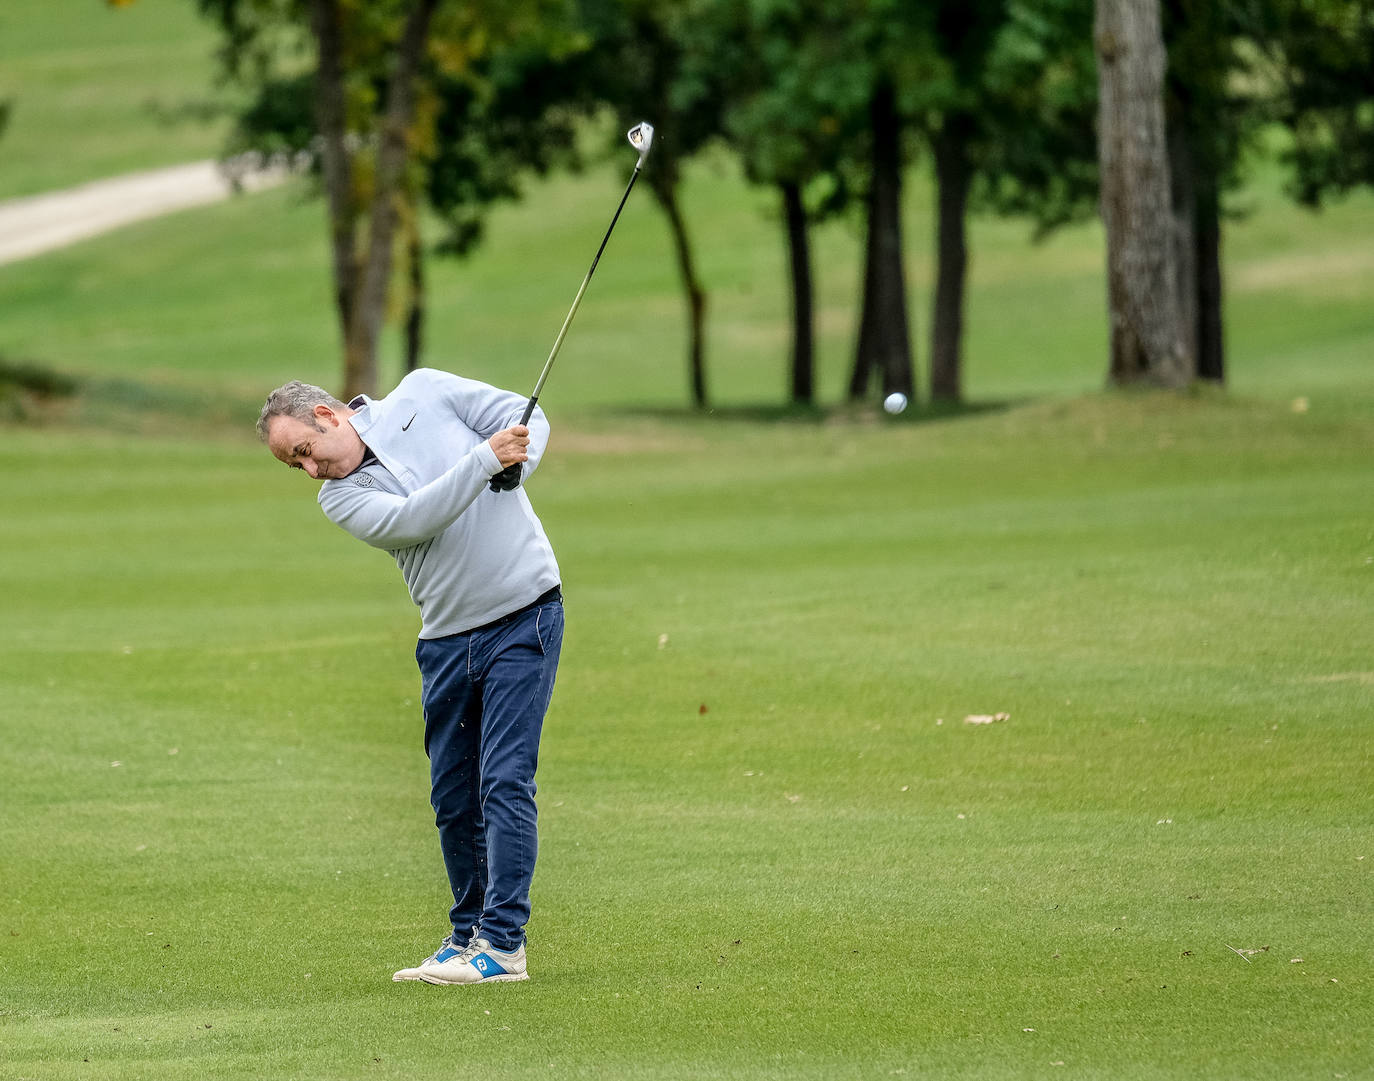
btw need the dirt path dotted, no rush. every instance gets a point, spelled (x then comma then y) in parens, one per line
(39, 223)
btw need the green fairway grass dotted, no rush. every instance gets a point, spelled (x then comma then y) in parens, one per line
(772, 847)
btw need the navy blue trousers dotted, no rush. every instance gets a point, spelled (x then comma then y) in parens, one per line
(485, 694)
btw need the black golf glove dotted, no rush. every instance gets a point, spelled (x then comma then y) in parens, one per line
(507, 480)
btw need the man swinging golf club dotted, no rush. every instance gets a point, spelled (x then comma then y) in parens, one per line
(433, 474)
(409, 473)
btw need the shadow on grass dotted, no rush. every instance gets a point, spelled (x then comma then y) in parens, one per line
(29, 390)
(844, 413)
(37, 395)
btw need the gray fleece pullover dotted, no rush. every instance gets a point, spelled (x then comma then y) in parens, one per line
(468, 555)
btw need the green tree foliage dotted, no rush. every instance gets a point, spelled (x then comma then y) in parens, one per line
(791, 96)
(394, 104)
(643, 60)
(1039, 157)
(1324, 53)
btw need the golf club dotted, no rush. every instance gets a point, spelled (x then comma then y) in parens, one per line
(641, 137)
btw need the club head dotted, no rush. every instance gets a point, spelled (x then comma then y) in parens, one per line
(641, 137)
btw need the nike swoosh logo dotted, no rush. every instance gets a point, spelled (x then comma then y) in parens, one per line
(407, 423)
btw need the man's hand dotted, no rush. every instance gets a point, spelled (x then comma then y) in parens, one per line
(511, 445)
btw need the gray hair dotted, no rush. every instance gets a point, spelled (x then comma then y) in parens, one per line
(296, 400)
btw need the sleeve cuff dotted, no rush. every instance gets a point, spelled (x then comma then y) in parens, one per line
(487, 457)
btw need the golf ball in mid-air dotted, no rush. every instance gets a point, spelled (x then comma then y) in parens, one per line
(895, 402)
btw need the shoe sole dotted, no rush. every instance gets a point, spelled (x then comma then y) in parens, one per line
(509, 977)
(398, 978)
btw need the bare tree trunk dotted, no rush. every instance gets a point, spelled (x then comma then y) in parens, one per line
(1149, 341)
(1183, 198)
(666, 192)
(1193, 102)
(799, 262)
(415, 294)
(1211, 347)
(952, 178)
(360, 374)
(884, 341)
(336, 160)
(1197, 215)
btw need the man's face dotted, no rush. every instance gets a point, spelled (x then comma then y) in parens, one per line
(330, 448)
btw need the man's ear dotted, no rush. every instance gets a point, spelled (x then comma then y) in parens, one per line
(324, 414)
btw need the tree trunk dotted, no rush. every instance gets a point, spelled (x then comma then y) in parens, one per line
(884, 341)
(803, 318)
(1183, 203)
(1211, 345)
(952, 178)
(696, 295)
(360, 375)
(1149, 341)
(336, 162)
(415, 294)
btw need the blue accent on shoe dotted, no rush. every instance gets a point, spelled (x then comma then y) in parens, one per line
(447, 953)
(487, 965)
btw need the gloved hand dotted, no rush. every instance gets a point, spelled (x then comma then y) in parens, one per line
(507, 480)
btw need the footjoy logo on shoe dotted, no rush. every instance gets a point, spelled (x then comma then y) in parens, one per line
(485, 965)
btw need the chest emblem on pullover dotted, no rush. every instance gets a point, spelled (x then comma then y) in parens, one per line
(363, 480)
(407, 423)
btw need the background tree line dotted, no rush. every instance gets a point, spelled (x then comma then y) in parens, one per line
(415, 111)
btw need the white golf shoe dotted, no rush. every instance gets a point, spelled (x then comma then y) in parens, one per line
(414, 973)
(478, 963)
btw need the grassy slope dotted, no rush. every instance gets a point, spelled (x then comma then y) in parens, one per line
(98, 90)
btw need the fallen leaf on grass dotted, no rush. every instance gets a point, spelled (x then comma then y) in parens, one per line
(986, 718)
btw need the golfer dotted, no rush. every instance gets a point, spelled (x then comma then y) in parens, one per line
(409, 473)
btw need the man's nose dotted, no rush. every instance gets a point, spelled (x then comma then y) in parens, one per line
(310, 467)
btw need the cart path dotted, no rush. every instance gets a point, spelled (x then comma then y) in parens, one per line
(35, 224)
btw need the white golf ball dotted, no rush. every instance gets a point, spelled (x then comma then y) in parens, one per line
(895, 402)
